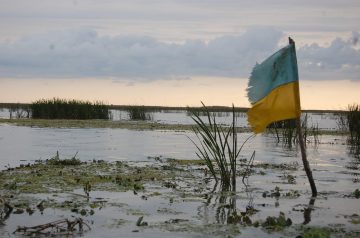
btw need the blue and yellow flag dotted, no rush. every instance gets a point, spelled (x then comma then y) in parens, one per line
(273, 89)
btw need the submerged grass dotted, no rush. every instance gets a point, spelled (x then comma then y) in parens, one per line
(65, 175)
(166, 186)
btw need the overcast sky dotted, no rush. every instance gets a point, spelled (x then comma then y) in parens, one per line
(149, 44)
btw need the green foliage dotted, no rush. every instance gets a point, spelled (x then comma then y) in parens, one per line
(64, 162)
(218, 147)
(277, 223)
(353, 121)
(68, 109)
(138, 113)
(356, 193)
(316, 232)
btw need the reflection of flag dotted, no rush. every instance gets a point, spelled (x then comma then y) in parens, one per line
(273, 89)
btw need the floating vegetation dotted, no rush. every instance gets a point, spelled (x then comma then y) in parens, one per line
(162, 195)
(316, 232)
(68, 109)
(356, 193)
(60, 227)
(277, 223)
(64, 162)
(293, 166)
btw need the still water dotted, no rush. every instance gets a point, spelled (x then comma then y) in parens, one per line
(335, 170)
(27, 144)
(324, 121)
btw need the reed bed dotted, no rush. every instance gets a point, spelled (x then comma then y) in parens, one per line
(353, 121)
(349, 121)
(69, 109)
(138, 113)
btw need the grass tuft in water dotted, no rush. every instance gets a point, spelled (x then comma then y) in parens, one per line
(218, 147)
(63, 162)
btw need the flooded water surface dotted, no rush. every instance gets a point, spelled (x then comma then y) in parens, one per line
(189, 204)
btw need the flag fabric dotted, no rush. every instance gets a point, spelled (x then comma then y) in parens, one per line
(273, 89)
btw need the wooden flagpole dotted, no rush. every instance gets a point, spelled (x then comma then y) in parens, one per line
(304, 159)
(303, 149)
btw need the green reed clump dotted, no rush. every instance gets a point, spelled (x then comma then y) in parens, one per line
(218, 148)
(69, 109)
(63, 162)
(285, 131)
(138, 113)
(353, 122)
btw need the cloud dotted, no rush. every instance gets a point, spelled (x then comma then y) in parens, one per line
(81, 53)
(340, 60)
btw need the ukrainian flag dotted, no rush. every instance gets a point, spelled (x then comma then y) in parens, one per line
(273, 89)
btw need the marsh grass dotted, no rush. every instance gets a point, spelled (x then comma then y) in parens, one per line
(349, 121)
(286, 133)
(353, 122)
(341, 121)
(63, 162)
(17, 110)
(69, 109)
(218, 147)
(138, 113)
(239, 113)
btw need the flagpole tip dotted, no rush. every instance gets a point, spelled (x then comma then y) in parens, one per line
(291, 41)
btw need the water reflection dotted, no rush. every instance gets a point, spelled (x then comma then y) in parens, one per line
(354, 164)
(5, 210)
(221, 204)
(308, 210)
(25, 143)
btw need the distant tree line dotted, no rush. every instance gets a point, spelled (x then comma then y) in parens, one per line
(68, 109)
